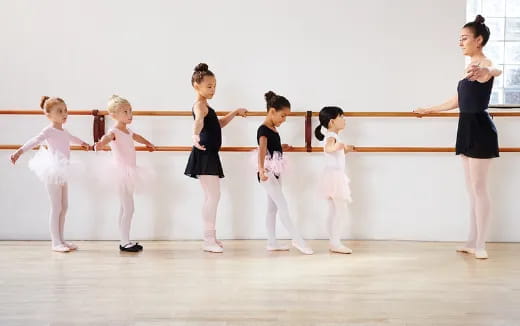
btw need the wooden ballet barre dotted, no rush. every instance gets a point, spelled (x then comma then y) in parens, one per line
(296, 149)
(140, 113)
(360, 149)
(360, 114)
(40, 112)
(99, 126)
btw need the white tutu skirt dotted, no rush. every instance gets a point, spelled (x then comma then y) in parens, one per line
(276, 163)
(335, 184)
(113, 176)
(54, 168)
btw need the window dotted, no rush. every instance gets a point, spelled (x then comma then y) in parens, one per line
(503, 48)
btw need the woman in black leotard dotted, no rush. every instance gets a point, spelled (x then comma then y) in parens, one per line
(204, 162)
(477, 140)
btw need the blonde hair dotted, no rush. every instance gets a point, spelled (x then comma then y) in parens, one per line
(46, 103)
(115, 102)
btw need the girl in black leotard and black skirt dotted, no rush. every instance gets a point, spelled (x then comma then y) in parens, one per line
(477, 140)
(204, 162)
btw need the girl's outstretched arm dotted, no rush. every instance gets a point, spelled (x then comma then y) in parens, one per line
(228, 117)
(29, 145)
(450, 104)
(140, 139)
(107, 138)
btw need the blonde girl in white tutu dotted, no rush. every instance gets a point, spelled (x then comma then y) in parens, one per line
(334, 183)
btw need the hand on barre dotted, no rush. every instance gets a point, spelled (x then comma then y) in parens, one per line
(242, 112)
(99, 147)
(86, 147)
(422, 111)
(150, 147)
(287, 147)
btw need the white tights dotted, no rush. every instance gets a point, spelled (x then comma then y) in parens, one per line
(476, 172)
(126, 212)
(337, 210)
(59, 198)
(276, 203)
(211, 187)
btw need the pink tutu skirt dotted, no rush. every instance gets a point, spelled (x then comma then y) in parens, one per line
(54, 168)
(276, 163)
(335, 184)
(113, 176)
(132, 178)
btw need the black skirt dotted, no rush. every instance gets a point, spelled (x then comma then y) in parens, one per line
(477, 136)
(203, 163)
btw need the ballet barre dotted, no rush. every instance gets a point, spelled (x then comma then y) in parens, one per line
(360, 149)
(361, 114)
(99, 128)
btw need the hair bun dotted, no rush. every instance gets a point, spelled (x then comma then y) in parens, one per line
(269, 95)
(201, 67)
(479, 19)
(43, 100)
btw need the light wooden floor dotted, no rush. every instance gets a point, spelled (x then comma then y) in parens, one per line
(175, 283)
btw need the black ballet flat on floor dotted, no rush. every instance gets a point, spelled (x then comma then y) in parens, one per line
(135, 248)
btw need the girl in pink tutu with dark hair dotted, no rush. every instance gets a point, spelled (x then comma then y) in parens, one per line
(334, 183)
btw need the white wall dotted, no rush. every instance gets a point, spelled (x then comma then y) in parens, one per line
(361, 55)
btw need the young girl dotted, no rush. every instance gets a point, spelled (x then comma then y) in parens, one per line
(121, 140)
(52, 166)
(204, 162)
(334, 182)
(270, 169)
(477, 139)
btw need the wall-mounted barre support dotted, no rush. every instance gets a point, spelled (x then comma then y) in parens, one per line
(98, 125)
(308, 131)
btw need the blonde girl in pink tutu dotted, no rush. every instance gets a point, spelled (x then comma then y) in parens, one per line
(52, 166)
(271, 165)
(334, 183)
(123, 171)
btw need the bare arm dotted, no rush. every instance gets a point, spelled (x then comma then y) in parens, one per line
(107, 138)
(140, 139)
(494, 71)
(262, 151)
(200, 111)
(450, 104)
(228, 117)
(287, 148)
(331, 145)
(482, 72)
